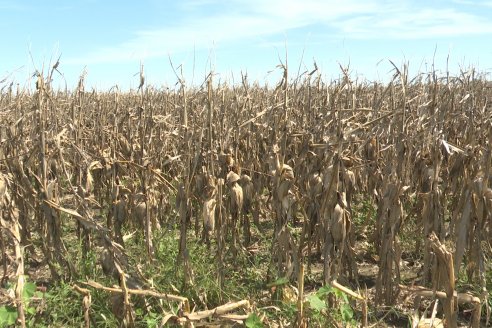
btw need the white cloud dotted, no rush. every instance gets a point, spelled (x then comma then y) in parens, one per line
(474, 3)
(416, 24)
(243, 21)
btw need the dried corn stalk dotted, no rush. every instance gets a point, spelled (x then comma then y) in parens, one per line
(313, 212)
(183, 205)
(389, 221)
(283, 197)
(235, 206)
(332, 217)
(208, 211)
(285, 253)
(445, 279)
(283, 246)
(248, 199)
(432, 217)
(10, 224)
(120, 216)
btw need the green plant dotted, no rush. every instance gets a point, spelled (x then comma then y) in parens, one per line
(253, 321)
(319, 307)
(8, 313)
(364, 212)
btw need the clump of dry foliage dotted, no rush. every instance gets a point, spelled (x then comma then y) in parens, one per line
(221, 164)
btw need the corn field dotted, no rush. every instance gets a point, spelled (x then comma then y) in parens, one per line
(235, 205)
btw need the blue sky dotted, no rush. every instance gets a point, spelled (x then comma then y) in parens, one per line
(109, 39)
